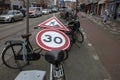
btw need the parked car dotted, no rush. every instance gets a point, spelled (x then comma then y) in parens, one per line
(54, 9)
(45, 11)
(11, 16)
(50, 10)
(35, 12)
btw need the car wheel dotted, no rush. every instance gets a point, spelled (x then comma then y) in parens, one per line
(35, 15)
(12, 20)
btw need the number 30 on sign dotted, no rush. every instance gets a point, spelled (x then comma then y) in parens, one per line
(49, 39)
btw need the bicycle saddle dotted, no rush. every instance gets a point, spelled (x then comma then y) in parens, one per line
(25, 35)
(55, 56)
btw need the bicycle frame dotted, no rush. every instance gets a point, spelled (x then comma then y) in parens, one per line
(51, 76)
(20, 50)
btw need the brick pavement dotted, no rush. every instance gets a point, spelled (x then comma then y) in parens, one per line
(105, 38)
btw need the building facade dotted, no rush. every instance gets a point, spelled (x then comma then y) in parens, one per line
(10, 4)
(88, 6)
(4, 4)
(98, 7)
(16, 4)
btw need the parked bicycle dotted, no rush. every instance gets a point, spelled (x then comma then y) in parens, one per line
(75, 34)
(17, 53)
(55, 58)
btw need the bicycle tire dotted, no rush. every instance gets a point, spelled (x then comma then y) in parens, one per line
(69, 34)
(8, 56)
(59, 77)
(66, 55)
(79, 36)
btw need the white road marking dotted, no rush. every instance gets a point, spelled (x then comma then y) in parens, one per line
(89, 44)
(96, 57)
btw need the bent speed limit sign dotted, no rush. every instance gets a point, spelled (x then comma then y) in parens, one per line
(50, 39)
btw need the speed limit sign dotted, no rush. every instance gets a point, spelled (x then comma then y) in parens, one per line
(50, 39)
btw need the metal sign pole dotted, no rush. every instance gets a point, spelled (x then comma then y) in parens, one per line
(76, 8)
(27, 18)
(27, 21)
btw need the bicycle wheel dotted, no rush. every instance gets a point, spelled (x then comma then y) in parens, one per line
(9, 56)
(70, 35)
(58, 72)
(79, 36)
(66, 55)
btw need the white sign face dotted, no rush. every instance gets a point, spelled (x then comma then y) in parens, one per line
(53, 23)
(53, 39)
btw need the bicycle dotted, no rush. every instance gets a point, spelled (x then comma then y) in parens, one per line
(22, 52)
(18, 53)
(55, 58)
(18, 47)
(74, 33)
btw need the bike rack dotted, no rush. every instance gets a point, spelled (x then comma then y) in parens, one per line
(31, 75)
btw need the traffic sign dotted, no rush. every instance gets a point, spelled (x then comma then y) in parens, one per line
(54, 23)
(51, 39)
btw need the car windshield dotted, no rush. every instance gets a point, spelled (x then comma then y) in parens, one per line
(7, 12)
(32, 9)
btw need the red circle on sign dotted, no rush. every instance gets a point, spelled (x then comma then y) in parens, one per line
(49, 44)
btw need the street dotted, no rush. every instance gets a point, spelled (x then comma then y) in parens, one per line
(85, 63)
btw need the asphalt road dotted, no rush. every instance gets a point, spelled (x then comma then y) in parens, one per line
(83, 63)
(15, 30)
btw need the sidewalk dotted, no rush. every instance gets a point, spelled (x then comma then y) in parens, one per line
(111, 26)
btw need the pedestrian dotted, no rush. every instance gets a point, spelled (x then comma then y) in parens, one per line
(105, 16)
(23, 10)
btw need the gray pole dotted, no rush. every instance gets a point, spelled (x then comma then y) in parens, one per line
(76, 8)
(27, 18)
